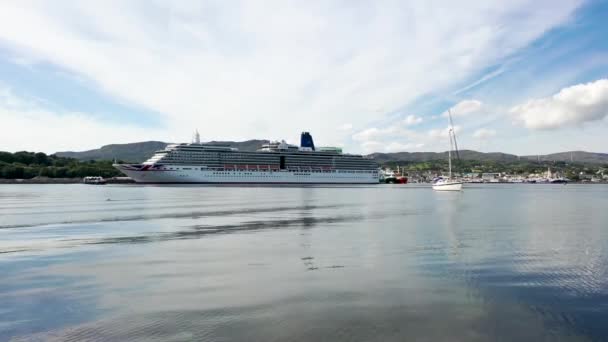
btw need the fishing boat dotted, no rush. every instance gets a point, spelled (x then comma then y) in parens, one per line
(94, 180)
(449, 183)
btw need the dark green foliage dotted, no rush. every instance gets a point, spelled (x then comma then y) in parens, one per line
(522, 167)
(26, 165)
(570, 164)
(6, 157)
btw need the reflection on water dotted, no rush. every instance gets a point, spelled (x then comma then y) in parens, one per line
(382, 263)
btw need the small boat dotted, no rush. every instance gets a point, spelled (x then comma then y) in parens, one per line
(450, 183)
(94, 180)
(391, 177)
(447, 184)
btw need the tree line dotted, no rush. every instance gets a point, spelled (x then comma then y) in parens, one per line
(523, 167)
(26, 165)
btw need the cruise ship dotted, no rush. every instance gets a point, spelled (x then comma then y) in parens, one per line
(276, 162)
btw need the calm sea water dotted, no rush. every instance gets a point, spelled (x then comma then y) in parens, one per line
(375, 263)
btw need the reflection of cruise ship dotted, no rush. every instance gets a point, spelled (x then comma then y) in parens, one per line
(276, 162)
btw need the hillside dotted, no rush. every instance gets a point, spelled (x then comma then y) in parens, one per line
(134, 152)
(140, 151)
(575, 156)
(428, 156)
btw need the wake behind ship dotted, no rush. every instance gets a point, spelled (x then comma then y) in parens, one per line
(275, 162)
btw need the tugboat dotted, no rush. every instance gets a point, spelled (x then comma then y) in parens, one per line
(94, 180)
(392, 177)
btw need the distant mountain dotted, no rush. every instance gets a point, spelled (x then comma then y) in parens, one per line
(428, 156)
(575, 156)
(140, 151)
(134, 152)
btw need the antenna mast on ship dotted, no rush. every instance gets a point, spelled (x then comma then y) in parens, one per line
(197, 137)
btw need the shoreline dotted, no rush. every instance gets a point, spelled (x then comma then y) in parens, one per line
(77, 180)
(125, 180)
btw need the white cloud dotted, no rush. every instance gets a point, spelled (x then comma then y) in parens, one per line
(383, 139)
(399, 147)
(25, 125)
(571, 106)
(484, 133)
(412, 120)
(464, 107)
(374, 133)
(225, 67)
(367, 135)
(389, 147)
(346, 127)
(372, 146)
(396, 130)
(442, 133)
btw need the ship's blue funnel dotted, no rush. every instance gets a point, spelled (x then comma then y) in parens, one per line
(306, 140)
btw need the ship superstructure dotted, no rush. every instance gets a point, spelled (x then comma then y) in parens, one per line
(275, 162)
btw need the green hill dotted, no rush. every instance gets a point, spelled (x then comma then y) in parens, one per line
(134, 152)
(574, 156)
(429, 156)
(140, 151)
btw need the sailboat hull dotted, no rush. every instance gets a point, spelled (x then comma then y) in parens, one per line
(447, 186)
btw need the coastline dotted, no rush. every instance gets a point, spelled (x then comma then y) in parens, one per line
(126, 180)
(76, 180)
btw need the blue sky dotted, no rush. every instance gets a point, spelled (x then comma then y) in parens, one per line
(522, 77)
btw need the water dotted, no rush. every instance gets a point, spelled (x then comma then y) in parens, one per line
(369, 263)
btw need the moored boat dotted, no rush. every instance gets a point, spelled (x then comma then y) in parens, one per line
(95, 180)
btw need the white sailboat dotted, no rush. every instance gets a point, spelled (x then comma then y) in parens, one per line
(450, 183)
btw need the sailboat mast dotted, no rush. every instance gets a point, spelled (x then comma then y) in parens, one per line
(450, 150)
(450, 158)
(453, 134)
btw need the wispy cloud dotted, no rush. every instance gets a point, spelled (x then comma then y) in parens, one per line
(412, 120)
(443, 133)
(226, 67)
(27, 125)
(484, 133)
(481, 80)
(464, 107)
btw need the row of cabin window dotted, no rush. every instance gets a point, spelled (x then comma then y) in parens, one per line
(263, 170)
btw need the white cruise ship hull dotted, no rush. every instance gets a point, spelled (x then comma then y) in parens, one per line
(192, 174)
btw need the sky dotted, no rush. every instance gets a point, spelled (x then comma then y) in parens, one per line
(520, 76)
